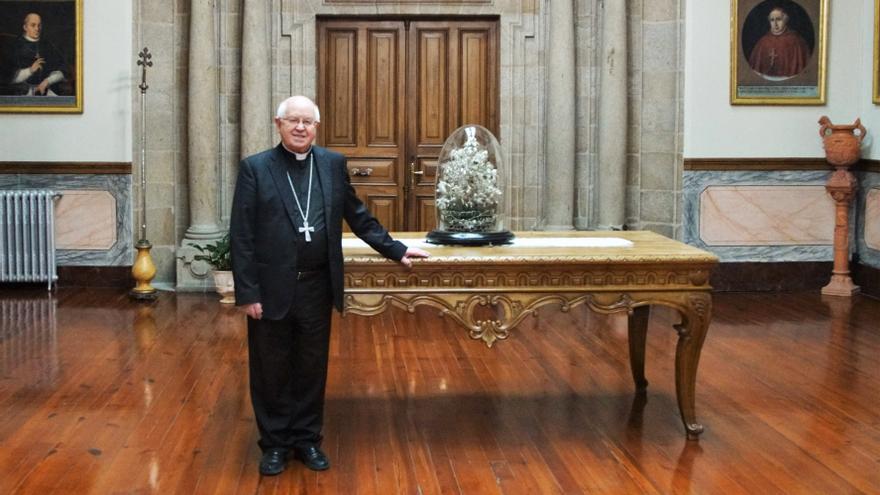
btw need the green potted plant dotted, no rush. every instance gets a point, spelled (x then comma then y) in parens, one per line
(217, 255)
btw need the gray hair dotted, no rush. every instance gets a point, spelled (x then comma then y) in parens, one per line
(781, 11)
(282, 108)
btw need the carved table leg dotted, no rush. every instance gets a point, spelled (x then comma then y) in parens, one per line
(638, 332)
(691, 334)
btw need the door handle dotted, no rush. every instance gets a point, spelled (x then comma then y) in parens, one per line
(414, 172)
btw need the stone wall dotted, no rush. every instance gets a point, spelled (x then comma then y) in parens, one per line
(162, 26)
(653, 142)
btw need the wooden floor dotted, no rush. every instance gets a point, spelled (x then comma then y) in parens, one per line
(102, 395)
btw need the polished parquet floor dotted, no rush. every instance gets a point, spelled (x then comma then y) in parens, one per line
(102, 395)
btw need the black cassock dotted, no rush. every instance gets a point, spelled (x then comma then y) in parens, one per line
(24, 52)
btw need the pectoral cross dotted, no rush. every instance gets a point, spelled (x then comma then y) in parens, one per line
(304, 214)
(773, 56)
(306, 228)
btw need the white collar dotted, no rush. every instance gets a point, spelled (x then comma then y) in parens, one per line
(299, 156)
(29, 38)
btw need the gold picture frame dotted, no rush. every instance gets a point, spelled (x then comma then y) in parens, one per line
(41, 56)
(875, 93)
(778, 52)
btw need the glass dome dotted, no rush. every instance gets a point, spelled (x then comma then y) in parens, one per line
(469, 196)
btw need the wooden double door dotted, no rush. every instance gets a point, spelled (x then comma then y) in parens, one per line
(391, 92)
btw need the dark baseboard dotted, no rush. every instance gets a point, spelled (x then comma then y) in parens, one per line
(77, 168)
(788, 276)
(868, 278)
(771, 277)
(95, 276)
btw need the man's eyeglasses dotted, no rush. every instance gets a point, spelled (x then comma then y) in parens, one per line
(295, 122)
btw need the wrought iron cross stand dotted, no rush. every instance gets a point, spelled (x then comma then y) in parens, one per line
(143, 270)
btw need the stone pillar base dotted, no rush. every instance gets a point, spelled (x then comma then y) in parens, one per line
(841, 285)
(204, 232)
(193, 275)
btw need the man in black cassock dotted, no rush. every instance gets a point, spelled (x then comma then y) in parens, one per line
(286, 240)
(38, 67)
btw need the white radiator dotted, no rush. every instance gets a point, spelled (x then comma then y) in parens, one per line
(27, 236)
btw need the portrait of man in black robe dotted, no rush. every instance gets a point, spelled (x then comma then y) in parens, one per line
(37, 51)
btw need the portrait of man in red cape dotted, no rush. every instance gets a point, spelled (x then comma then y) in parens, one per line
(781, 52)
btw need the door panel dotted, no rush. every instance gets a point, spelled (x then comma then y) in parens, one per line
(453, 75)
(432, 84)
(476, 78)
(391, 92)
(383, 206)
(378, 171)
(423, 200)
(342, 88)
(382, 88)
(360, 94)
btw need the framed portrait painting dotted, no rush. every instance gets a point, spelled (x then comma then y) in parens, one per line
(41, 56)
(875, 94)
(777, 52)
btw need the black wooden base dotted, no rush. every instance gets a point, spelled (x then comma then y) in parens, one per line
(470, 238)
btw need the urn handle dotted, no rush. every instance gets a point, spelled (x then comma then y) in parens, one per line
(824, 125)
(858, 125)
(826, 128)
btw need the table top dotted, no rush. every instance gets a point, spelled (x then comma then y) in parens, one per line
(591, 247)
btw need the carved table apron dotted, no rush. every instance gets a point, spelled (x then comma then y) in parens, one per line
(624, 271)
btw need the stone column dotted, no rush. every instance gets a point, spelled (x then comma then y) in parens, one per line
(561, 121)
(203, 146)
(613, 125)
(256, 78)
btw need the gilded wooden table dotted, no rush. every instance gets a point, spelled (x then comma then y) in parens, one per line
(607, 271)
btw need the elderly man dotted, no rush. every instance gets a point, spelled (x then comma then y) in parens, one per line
(781, 52)
(286, 239)
(38, 64)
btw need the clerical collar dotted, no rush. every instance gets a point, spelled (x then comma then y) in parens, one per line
(29, 38)
(299, 156)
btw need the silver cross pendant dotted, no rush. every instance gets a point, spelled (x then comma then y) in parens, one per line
(306, 228)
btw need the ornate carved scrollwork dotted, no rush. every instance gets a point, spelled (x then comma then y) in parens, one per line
(514, 308)
(497, 277)
(515, 283)
(694, 314)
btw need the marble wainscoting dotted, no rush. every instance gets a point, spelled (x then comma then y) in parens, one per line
(868, 236)
(866, 273)
(758, 215)
(93, 218)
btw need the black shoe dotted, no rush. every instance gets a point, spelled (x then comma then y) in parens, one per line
(273, 462)
(312, 457)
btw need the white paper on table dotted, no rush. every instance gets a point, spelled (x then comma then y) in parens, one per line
(530, 242)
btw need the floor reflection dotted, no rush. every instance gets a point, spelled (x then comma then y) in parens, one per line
(29, 339)
(683, 474)
(144, 326)
(843, 352)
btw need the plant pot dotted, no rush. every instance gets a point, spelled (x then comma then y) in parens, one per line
(225, 286)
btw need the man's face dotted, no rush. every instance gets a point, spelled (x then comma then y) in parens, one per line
(778, 22)
(298, 127)
(33, 25)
